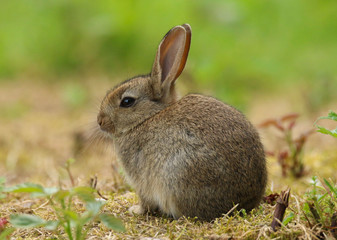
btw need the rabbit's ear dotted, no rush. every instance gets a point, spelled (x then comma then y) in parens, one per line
(171, 56)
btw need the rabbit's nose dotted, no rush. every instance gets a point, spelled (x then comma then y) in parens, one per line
(100, 119)
(104, 122)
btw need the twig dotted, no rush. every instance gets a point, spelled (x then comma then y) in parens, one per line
(306, 217)
(93, 184)
(231, 210)
(70, 175)
(99, 194)
(281, 206)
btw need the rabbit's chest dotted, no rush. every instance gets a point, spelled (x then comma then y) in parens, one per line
(151, 187)
(158, 196)
(145, 165)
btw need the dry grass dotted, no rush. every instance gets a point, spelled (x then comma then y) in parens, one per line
(255, 225)
(39, 132)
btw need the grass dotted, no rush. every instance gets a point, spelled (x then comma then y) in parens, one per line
(37, 140)
(239, 226)
(63, 202)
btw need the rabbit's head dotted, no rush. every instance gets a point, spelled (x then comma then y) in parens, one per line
(137, 99)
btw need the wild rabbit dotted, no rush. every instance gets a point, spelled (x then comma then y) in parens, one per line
(194, 156)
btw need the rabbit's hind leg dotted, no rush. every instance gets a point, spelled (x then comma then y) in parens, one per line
(137, 209)
(142, 208)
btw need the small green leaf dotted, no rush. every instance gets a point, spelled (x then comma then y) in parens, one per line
(26, 188)
(85, 193)
(6, 232)
(61, 195)
(112, 222)
(36, 190)
(94, 206)
(332, 116)
(51, 225)
(85, 218)
(327, 131)
(50, 191)
(288, 218)
(69, 162)
(306, 208)
(70, 215)
(26, 221)
(46, 192)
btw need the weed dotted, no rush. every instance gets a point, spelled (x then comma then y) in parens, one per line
(63, 202)
(332, 116)
(291, 158)
(321, 204)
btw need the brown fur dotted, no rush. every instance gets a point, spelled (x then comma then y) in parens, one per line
(195, 156)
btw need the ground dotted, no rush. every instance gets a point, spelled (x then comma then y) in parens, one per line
(44, 124)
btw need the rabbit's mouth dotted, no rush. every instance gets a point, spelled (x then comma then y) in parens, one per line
(105, 123)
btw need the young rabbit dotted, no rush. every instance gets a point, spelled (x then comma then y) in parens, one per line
(194, 156)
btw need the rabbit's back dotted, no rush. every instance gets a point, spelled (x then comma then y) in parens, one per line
(197, 157)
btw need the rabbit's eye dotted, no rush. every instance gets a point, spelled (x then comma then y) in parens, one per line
(127, 102)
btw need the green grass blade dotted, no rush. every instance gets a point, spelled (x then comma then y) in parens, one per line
(288, 218)
(321, 197)
(332, 189)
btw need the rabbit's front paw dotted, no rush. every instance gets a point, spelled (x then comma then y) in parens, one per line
(137, 209)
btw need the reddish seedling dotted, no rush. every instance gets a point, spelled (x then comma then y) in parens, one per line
(290, 158)
(3, 223)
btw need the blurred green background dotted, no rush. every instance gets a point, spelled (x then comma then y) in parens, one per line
(239, 48)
